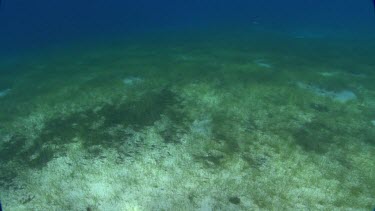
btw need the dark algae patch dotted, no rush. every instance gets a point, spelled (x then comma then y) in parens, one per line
(314, 136)
(110, 126)
(234, 200)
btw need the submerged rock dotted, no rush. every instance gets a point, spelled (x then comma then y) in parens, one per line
(373, 122)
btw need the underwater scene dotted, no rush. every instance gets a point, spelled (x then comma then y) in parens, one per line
(197, 105)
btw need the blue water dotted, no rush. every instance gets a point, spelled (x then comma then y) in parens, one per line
(26, 24)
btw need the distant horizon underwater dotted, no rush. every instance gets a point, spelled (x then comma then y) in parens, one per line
(187, 105)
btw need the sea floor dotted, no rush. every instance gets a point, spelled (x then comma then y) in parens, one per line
(262, 122)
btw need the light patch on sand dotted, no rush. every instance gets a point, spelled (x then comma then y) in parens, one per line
(263, 63)
(5, 92)
(347, 74)
(201, 127)
(129, 81)
(328, 74)
(342, 96)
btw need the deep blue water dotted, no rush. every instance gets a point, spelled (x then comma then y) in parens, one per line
(26, 24)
